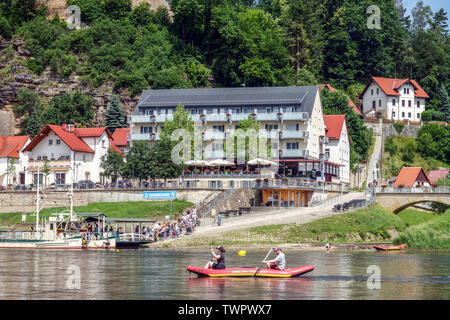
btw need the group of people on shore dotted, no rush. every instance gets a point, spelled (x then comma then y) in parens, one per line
(165, 230)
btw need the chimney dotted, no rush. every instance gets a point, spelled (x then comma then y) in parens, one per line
(71, 128)
(64, 126)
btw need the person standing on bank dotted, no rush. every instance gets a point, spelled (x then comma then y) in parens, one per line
(217, 260)
(279, 263)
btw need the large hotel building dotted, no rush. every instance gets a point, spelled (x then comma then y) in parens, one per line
(292, 116)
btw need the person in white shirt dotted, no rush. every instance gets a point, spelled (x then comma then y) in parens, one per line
(279, 263)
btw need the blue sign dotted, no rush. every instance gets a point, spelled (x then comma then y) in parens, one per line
(160, 195)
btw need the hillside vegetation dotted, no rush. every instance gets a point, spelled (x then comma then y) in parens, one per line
(234, 42)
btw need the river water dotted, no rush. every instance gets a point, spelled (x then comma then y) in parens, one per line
(161, 274)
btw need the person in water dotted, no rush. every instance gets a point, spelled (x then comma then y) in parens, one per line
(217, 260)
(279, 263)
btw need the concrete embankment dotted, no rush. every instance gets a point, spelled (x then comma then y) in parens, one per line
(25, 201)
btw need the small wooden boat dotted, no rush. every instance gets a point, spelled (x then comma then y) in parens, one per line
(390, 248)
(250, 272)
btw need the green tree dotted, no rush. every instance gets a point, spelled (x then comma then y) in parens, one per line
(138, 162)
(433, 141)
(75, 108)
(162, 166)
(444, 105)
(390, 146)
(112, 164)
(114, 116)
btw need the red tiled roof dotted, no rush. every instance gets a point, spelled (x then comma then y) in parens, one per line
(334, 124)
(434, 175)
(11, 145)
(350, 102)
(91, 132)
(390, 86)
(409, 175)
(69, 138)
(115, 148)
(120, 136)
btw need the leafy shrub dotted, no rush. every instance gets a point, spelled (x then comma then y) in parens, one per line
(6, 30)
(399, 127)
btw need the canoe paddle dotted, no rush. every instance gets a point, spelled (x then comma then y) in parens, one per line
(262, 263)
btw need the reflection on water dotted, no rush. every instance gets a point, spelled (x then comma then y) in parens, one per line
(161, 274)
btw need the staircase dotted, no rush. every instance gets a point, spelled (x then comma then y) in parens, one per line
(207, 206)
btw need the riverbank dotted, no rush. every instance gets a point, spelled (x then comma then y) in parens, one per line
(358, 230)
(151, 209)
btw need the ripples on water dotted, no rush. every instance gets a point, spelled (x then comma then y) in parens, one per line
(161, 274)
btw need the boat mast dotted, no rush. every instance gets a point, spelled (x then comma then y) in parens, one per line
(71, 196)
(37, 200)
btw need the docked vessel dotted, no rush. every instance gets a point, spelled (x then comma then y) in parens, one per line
(64, 230)
(250, 272)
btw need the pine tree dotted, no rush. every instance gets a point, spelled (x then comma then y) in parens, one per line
(114, 116)
(444, 105)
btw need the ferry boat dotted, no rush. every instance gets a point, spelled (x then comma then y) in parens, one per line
(65, 230)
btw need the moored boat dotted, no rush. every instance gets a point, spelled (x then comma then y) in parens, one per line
(250, 272)
(390, 248)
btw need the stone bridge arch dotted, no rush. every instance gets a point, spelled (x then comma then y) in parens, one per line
(397, 202)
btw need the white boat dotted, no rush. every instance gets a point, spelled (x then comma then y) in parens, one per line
(65, 230)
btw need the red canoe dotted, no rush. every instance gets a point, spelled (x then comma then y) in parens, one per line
(249, 272)
(387, 248)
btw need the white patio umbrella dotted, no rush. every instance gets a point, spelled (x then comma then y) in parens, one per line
(198, 163)
(261, 162)
(221, 163)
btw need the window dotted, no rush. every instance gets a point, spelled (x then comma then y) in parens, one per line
(58, 141)
(393, 114)
(418, 116)
(50, 142)
(268, 110)
(192, 111)
(292, 127)
(374, 105)
(371, 92)
(409, 103)
(418, 104)
(393, 102)
(403, 114)
(270, 127)
(60, 178)
(409, 114)
(219, 128)
(84, 157)
(103, 144)
(143, 130)
(379, 103)
(292, 145)
(403, 103)
(238, 111)
(404, 90)
(290, 109)
(378, 90)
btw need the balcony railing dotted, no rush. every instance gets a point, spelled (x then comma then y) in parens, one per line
(52, 163)
(294, 153)
(210, 135)
(295, 134)
(145, 136)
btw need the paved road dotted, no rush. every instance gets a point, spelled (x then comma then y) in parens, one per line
(269, 216)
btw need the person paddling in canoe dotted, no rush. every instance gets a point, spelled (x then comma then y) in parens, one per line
(279, 263)
(217, 260)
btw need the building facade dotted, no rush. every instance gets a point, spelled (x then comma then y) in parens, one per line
(394, 99)
(338, 149)
(71, 155)
(11, 150)
(292, 117)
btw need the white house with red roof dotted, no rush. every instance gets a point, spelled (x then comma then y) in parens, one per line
(11, 148)
(394, 99)
(73, 154)
(338, 148)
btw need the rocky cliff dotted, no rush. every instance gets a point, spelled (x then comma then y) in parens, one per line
(14, 76)
(59, 6)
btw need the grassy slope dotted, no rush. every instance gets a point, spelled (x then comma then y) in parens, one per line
(413, 217)
(434, 234)
(150, 209)
(419, 161)
(370, 224)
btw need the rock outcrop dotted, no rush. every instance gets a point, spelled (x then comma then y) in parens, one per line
(14, 76)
